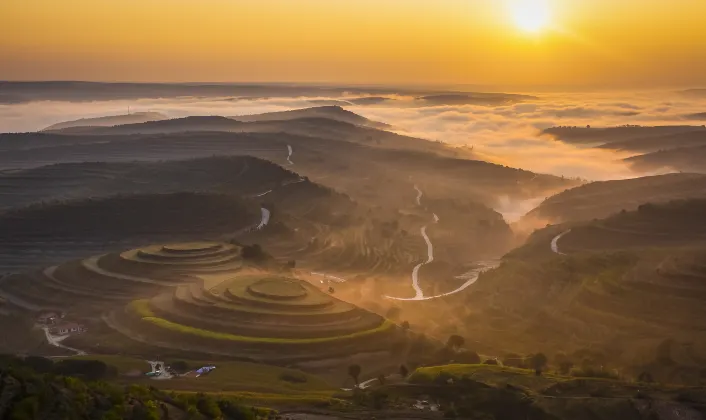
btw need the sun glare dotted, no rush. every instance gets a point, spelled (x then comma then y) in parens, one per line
(530, 15)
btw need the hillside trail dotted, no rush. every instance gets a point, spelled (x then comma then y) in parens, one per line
(55, 341)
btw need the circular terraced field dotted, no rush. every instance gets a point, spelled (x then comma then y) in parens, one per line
(87, 284)
(260, 316)
(193, 297)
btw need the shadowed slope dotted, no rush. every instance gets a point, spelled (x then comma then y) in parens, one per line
(601, 199)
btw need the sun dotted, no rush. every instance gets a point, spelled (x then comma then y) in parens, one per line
(530, 15)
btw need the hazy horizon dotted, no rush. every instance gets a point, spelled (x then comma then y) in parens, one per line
(450, 42)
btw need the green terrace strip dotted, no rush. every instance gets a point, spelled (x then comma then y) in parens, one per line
(141, 307)
(163, 323)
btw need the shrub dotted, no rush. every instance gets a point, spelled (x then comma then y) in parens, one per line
(455, 341)
(179, 366)
(88, 369)
(39, 364)
(538, 362)
(592, 372)
(565, 367)
(404, 371)
(467, 357)
(293, 377)
(253, 253)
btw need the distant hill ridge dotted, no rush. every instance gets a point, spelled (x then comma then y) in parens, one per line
(257, 122)
(110, 120)
(333, 112)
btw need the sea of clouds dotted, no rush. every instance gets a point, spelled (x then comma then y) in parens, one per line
(503, 134)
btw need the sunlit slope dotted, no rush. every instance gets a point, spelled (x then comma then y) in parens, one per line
(632, 287)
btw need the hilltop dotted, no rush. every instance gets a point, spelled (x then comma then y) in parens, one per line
(107, 121)
(689, 159)
(608, 135)
(485, 99)
(333, 112)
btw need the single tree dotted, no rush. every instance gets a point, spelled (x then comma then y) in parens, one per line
(354, 372)
(455, 342)
(405, 325)
(467, 357)
(404, 371)
(179, 366)
(566, 366)
(381, 379)
(645, 377)
(539, 361)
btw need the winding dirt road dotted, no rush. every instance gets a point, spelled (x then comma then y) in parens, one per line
(555, 242)
(470, 276)
(56, 342)
(265, 218)
(289, 157)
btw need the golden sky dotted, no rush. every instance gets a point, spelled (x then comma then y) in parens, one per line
(611, 43)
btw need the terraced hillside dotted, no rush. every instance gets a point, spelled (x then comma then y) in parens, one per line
(237, 175)
(602, 199)
(676, 223)
(258, 316)
(625, 292)
(86, 286)
(51, 233)
(198, 298)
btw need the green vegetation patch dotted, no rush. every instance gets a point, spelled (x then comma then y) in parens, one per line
(184, 329)
(489, 374)
(142, 309)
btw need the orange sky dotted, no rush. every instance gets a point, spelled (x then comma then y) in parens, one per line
(612, 43)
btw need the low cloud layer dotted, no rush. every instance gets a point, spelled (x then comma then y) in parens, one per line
(504, 134)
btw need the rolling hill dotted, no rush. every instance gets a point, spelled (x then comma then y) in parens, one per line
(687, 159)
(660, 142)
(608, 135)
(625, 292)
(597, 200)
(655, 149)
(239, 175)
